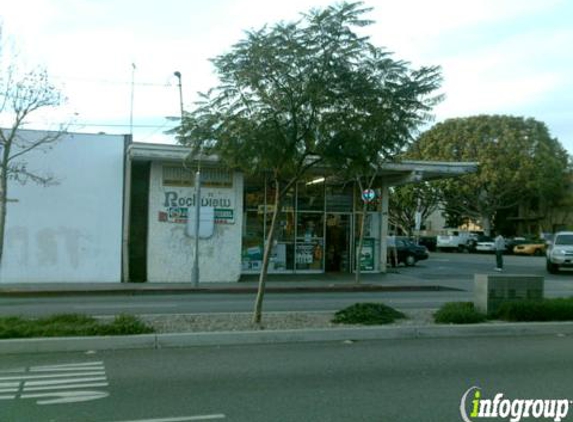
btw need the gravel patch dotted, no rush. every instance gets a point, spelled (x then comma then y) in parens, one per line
(271, 321)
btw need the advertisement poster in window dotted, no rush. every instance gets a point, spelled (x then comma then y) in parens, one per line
(367, 257)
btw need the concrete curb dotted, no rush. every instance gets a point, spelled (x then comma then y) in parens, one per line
(160, 341)
(151, 290)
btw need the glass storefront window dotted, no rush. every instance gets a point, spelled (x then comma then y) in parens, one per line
(310, 241)
(254, 193)
(282, 254)
(317, 228)
(253, 241)
(287, 202)
(310, 194)
(339, 198)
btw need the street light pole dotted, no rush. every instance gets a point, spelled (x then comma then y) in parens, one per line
(178, 75)
(195, 266)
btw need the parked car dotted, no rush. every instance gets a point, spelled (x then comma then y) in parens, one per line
(473, 241)
(407, 252)
(511, 243)
(485, 244)
(531, 248)
(429, 242)
(453, 240)
(560, 252)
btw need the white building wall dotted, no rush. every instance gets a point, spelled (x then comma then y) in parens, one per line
(170, 250)
(71, 231)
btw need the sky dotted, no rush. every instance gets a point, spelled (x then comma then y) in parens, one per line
(114, 59)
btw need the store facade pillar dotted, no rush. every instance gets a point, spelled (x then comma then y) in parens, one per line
(384, 222)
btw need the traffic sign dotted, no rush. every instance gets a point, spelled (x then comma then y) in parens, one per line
(368, 195)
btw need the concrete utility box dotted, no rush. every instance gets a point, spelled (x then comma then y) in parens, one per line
(491, 290)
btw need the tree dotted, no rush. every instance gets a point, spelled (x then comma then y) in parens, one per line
(22, 94)
(407, 200)
(282, 92)
(377, 119)
(519, 163)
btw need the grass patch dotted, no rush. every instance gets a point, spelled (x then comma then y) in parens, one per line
(367, 314)
(459, 313)
(66, 325)
(560, 309)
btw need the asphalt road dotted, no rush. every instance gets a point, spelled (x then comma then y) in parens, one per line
(219, 303)
(398, 380)
(445, 269)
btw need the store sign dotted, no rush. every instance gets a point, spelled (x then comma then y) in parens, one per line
(175, 207)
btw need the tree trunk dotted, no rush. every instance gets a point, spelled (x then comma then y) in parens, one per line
(486, 224)
(257, 314)
(3, 202)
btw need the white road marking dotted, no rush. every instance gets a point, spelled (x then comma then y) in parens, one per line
(35, 377)
(65, 381)
(63, 397)
(68, 386)
(68, 367)
(56, 384)
(182, 418)
(9, 384)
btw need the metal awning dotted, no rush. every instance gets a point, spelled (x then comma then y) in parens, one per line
(393, 174)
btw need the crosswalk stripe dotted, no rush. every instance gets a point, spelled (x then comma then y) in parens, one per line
(27, 377)
(66, 386)
(68, 367)
(65, 396)
(64, 381)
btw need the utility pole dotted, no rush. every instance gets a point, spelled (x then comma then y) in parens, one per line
(195, 267)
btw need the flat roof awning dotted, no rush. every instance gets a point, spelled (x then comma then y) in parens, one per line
(139, 151)
(393, 174)
(416, 171)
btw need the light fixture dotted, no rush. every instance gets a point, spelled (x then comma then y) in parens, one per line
(315, 181)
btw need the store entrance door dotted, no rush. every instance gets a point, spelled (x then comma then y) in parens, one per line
(337, 242)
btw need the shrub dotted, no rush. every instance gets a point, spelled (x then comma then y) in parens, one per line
(124, 324)
(459, 313)
(545, 310)
(367, 314)
(70, 325)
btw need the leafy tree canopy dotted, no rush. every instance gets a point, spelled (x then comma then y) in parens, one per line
(407, 200)
(296, 93)
(519, 163)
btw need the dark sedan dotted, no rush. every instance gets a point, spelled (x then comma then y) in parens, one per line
(405, 251)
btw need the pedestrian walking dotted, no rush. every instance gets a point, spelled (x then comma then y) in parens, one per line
(499, 246)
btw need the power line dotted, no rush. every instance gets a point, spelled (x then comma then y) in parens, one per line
(112, 82)
(117, 125)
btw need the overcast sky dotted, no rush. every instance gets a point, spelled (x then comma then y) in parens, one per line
(498, 56)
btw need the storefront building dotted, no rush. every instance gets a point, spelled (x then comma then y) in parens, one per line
(317, 230)
(120, 212)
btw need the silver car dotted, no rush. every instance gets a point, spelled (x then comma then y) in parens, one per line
(560, 252)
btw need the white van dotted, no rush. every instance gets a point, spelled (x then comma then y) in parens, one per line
(453, 240)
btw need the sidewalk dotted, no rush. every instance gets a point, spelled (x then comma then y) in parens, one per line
(276, 283)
